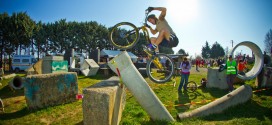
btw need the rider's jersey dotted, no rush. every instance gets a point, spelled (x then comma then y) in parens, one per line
(160, 24)
(172, 40)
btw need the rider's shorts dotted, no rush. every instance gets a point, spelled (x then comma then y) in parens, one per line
(173, 42)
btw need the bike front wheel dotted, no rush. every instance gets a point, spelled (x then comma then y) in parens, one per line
(191, 86)
(124, 35)
(160, 68)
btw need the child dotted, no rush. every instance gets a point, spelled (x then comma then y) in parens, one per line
(241, 67)
(203, 83)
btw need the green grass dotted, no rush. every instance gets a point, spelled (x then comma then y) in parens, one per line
(258, 110)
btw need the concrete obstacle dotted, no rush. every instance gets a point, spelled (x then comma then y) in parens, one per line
(238, 96)
(89, 67)
(50, 89)
(54, 64)
(137, 85)
(103, 103)
(9, 76)
(30, 70)
(264, 79)
(48, 64)
(38, 67)
(17, 83)
(259, 60)
(216, 79)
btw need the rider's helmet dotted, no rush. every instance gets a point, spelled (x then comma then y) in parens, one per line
(152, 16)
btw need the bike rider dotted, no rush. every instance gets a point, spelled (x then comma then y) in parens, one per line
(166, 36)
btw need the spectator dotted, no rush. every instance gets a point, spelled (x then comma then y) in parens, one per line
(185, 67)
(231, 67)
(197, 64)
(241, 67)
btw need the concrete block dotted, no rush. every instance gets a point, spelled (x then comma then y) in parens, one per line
(38, 66)
(103, 103)
(217, 79)
(30, 71)
(264, 79)
(50, 89)
(52, 64)
(59, 66)
(9, 76)
(89, 67)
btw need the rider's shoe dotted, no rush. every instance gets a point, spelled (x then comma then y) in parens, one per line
(149, 48)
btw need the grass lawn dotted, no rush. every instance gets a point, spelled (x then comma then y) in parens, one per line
(258, 110)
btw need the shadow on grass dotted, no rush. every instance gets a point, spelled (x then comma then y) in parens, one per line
(215, 92)
(183, 99)
(6, 92)
(18, 114)
(80, 123)
(151, 122)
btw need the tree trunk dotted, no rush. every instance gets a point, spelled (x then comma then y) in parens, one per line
(10, 62)
(20, 46)
(32, 46)
(38, 52)
(1, 61)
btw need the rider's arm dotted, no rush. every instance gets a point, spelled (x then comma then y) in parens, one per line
(153, 31)
(163, 12)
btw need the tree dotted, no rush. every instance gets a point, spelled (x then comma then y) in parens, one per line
(182, 51)
(40, 38)
(166, 50)
(21, 31)
(4, 19)
(268, 41)
(216, 51)
(206, 50)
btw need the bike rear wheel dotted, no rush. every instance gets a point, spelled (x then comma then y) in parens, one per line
(160, 68)
(124, 35)
(191, 86)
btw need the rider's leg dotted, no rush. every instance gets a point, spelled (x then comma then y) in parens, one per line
(186, 77)
(162, 34)
(181, 82)
(153, 40)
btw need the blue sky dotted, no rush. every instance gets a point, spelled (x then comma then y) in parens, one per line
(194, 21)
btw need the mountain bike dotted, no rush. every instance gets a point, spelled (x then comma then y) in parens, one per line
(125, 35)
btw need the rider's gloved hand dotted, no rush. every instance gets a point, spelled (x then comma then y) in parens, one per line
(146, 25)
(149, 9)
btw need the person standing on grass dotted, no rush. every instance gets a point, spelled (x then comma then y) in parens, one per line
(185, 67)
(197, 64)
(231, 67)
